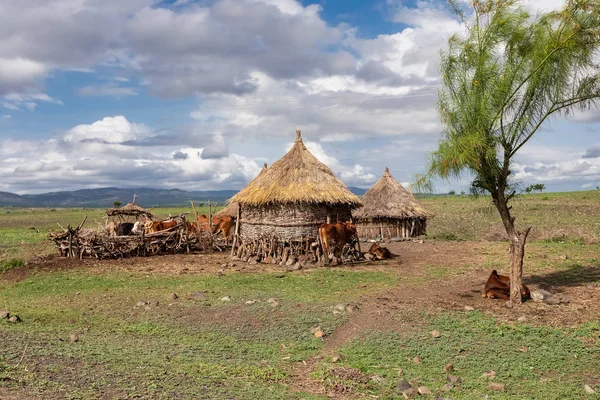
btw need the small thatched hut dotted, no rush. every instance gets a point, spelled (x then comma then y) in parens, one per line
(286, 203)
(389, 211)
(131, 210)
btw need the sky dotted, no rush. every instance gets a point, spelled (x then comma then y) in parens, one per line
(196, 95)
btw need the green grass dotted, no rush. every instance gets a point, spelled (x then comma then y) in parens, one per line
(192, 349)
(10, 264)
(533, 362)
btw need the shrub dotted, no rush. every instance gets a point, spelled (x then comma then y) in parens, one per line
(7, 265)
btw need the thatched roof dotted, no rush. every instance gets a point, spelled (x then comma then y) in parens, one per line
(232, 207)
(297, 178)
(130, 209)
(388, 199)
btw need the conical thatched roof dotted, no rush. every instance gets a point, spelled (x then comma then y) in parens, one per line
(388, 199)
(298, 177)
(130, 209)
(232, 207)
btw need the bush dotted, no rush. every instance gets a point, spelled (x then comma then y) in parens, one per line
(449, 236)
(7, 265)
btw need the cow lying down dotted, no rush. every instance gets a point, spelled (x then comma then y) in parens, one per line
(380, 252)
(498, 287)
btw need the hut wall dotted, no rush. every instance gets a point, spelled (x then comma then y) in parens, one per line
(289, 222)
(391, 228)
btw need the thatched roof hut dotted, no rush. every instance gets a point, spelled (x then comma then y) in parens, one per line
(288, 201)
(390, 211)
(130, 209)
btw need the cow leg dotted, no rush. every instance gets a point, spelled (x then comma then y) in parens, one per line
(498, 294)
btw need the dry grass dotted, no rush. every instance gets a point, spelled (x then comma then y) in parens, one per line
(388, 199)
(298, 177)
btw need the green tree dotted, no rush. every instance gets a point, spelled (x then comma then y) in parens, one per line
(117, 204)
(507, 74)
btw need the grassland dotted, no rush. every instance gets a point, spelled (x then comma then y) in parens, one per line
(134, 340)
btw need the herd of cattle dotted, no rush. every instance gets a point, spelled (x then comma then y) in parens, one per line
(220, 224)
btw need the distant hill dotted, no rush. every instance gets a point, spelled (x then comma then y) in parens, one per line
(105, 197)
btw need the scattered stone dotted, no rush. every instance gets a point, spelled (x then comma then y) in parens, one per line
(297, 267)
(15, 319)
(540, 295)
(369, 256)
(418, 360)
(77, 294)
(378, 379)
(141, 303)
(319, 334)
(588, 389)
(225, 299)
(232, 264)
(509, 304)
(447, 387)
(253, 262)
(490, 374)
(400, 371)
(553, 301)
(522, 319)
(290, 262)
(403, 385)
(564, 257)
(469, 308)
(198, 295)
(351, 308)
(449, 368)
(423, 390)
(315, 329)
(497, 387)
(74, 338)
(455, 380)
(409, 393)
(223, 265)
(4, 315)
(250, 302)
(436, 334)
(340, 307)
(174, 296)
(273, 302)
(523, 349)
(335, 359)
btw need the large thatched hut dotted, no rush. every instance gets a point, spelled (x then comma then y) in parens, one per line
(284, 206)
(389, 211)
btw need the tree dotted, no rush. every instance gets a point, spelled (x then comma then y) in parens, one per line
(503, 78)
(117, 204)
(540, 187)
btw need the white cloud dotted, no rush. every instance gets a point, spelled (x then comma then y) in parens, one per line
(108, 89)
(28, 101)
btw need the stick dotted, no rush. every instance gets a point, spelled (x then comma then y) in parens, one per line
(22, 355)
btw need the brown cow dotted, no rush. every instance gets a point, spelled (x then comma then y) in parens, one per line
(380, 252)
(157, 226)
(336, 236)
(223, 223)
(203, 223)
(498, 286)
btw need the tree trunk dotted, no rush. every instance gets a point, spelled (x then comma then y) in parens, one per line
(517, 246)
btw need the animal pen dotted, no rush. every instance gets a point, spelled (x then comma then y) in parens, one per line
(390, 212)
(279, 213)
(80, 242)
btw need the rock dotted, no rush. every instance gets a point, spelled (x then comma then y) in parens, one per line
(250, 302)
(423, 391)
(225, 299)
(400, 371)
(403, 385)
(174, 296)
(490, 374)
(447, 387)
(15, 319)
(4, 315)
(409, 393)
(449, 368)
(232, 264)
(198, 295)
(454, 380)
(340, 307)
(351, 308)
(564, 257)
(297, 267)
(290, 262)
(509, 304)
(141, 303)
(74, 338)
(540, 295)
(378, 379)
(522, 319)
(335, 359)
(273, 302)
(436, 334)
(418, 360)
(588, 389)
(553, 301)
(337, 312)
(469, 308)
(369, 256)
(497, 387)
(253, 262)
(319, 334)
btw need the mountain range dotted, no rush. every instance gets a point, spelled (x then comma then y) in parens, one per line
(106, 197)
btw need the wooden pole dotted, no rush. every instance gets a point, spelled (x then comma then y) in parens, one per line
(237, 229)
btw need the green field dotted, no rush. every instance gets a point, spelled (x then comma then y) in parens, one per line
(134, 340)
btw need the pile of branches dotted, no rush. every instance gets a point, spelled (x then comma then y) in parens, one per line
(87, 243)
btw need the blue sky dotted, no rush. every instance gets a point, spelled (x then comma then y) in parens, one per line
(198, 94)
